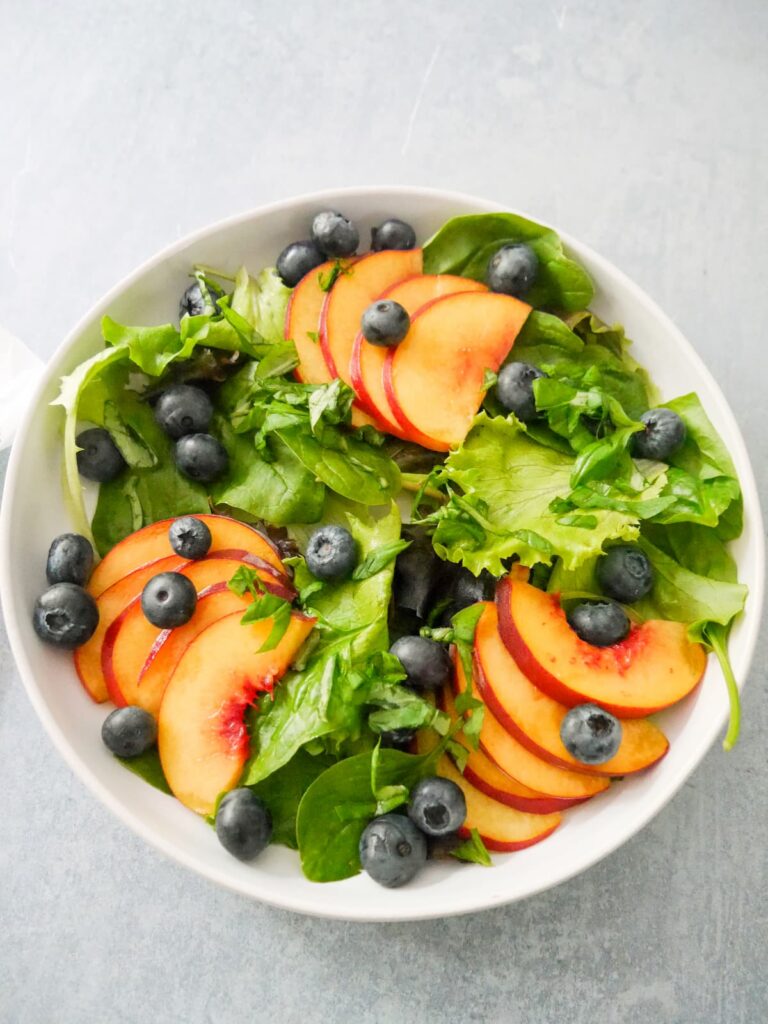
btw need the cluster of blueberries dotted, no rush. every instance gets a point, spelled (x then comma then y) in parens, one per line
(184, 412)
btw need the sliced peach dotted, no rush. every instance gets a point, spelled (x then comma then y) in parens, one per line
(655, 666)
(502, 828)
(434, 378)
(534, 719)
(151, 543)
(131, 637)
(561, 787)
(202, 737)
(367, 362)
(111, 603)
(302, 326)
(350, 296)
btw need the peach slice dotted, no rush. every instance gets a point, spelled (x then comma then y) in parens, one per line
(111, 603)
(434, 378)
(367, 362)
(534, 719)
(151, 543)
(130, 638)
(202, 737)
(351, 295)
(655, 666)
(502, 828)
(559, 786)
(302, 326)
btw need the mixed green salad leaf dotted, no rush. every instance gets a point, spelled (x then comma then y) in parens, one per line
(553, 494)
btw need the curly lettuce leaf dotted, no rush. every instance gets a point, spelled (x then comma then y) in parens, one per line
(464, 245)
(262, 301)
(501, 487)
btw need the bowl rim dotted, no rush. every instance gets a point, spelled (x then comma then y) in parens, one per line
(86, 774)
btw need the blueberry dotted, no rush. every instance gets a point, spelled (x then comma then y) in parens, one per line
(393, 234)
(625, 573)
(590, 734)
(331, 553)
(468, 589)
(183, 409)
(512, 270)
(65, 616)
(334, 235)
(392, 850)
(196, 301)
(243, 824)
(426, 663)
(169, 600)
(201, 457)
(664, 434)
(190, 537)
(296, 260)
(385, 323)
(417, 572)
(514, 389)
(99, 458)
(437, 806)
(600, 623)
(129, 732)
(70, 559)
(398, 739)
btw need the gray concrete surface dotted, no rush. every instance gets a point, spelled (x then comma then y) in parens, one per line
(639, 128)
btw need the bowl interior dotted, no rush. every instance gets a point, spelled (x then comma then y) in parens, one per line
(33, 512)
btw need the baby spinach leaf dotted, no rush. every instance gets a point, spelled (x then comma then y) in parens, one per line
(464, 245)
(328, 842)
(283, 791)
(147, 766)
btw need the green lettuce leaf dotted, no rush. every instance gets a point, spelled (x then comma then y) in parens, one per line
(262, 301)
(501, 487)
(464, 245)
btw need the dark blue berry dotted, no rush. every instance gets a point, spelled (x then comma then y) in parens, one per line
(426, 663)
(201, 457)
(625, 573)
(65, 616)
(512, 270)
(169, 600)
(437, 806)
(296, 260)
(183, 409)
(190, 537)
(468, 589)
(392, 850)
(663, 435)
(385, 323)
(331, 553)
(243, 824)
(514, 389)
(197, 301)
(334, 235)
(129, 732)
(393, 234)
(590, 734)
(398, 739)
(600, 623)
(99, 458)
(70, 559)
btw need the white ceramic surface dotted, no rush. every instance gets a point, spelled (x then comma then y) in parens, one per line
(33, 512)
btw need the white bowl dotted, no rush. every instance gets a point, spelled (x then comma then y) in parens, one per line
(33, 512)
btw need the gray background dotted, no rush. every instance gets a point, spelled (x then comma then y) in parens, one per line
(640, 128)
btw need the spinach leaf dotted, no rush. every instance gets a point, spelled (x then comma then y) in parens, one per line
(283, 791)
(336, 808)
(279, 491)
(464, 245)
(147, 766)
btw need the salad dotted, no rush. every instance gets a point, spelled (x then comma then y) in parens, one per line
(392, 554)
